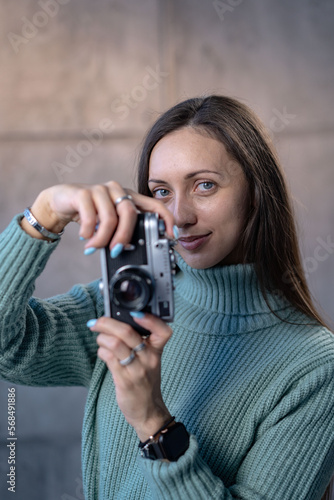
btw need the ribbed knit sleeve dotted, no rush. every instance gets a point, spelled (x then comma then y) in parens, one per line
(42, 342)
(290, 457)
(255, 392)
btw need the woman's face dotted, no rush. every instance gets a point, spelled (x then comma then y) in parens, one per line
(192, 174)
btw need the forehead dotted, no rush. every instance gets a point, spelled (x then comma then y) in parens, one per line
(187, 149)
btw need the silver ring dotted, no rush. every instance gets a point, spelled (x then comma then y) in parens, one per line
(139, 347)
(122, 198)
(128, 360)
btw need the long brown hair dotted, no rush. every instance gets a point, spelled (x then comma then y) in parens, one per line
(269, 240)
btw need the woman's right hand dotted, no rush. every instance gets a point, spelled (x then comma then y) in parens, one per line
(89, 205)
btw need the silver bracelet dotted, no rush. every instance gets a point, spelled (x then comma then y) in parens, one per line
(34, 223)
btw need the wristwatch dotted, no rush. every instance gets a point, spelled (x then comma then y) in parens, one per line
(170, 444)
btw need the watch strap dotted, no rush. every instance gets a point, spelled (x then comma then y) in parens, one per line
(152, 438)
(171, 443)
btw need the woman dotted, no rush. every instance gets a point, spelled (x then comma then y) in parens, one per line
(248, 371)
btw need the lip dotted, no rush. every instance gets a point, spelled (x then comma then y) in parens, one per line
(193, 242)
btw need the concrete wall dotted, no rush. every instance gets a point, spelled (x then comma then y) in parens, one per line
(105, 69)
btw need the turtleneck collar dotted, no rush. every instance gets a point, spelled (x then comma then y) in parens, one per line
(224, 294)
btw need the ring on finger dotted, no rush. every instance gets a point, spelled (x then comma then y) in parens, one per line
(122, 198)
(128, 360)
(139, 347)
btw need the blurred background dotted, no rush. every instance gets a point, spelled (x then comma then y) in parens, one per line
(80, 83)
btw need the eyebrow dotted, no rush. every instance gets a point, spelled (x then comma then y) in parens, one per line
(188, 176)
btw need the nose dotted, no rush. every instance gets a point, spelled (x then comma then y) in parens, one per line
(184, 212)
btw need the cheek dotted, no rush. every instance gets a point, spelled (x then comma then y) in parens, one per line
(240, 204)
(240, 212)
(227, 213)
(228, 218)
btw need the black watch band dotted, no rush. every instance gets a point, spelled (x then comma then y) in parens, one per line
(170, 445)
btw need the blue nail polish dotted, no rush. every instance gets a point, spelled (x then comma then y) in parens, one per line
(91, 323)
(175, 232)
(137, 314)
(89, 251)
(81, 238)
(116, 250)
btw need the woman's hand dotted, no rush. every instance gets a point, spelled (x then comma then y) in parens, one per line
(89, 205)
(137, 384)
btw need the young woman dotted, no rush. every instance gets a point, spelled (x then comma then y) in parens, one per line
(247, 366)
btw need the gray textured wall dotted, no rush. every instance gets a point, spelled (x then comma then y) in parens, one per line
(71, 67)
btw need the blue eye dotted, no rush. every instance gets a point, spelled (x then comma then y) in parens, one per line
(160, 193)
(206, 185)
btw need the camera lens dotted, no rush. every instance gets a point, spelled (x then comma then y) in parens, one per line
(131, 290)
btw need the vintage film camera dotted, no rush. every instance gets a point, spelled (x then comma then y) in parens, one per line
(141, 277)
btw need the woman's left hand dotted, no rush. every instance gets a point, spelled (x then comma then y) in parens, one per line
(137, 384)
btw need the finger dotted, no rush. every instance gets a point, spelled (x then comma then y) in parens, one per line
(87, 214)
(117, 330)
(119, 349)
(108, 357)
(127, 215)
(107, 217)
(148, 204)
(160, 331)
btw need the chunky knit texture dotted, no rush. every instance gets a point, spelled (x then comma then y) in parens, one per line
(256, 393)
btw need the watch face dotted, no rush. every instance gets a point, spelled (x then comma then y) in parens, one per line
(174, 442)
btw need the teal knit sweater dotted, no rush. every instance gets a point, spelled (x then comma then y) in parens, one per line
(256, 393)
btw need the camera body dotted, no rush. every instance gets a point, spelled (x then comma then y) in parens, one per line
(141, 277)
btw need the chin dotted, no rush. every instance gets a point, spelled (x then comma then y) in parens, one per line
(200, 262)
(203, 261)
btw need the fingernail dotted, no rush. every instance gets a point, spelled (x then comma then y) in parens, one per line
(137, 314)
(81, 238)
(116, 250)
(91, 323)
(175, 232)
(89, 251)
